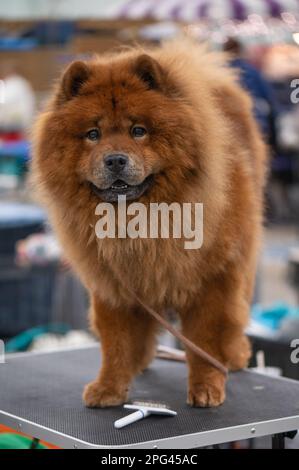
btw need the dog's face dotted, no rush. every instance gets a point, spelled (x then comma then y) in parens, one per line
(119, 129)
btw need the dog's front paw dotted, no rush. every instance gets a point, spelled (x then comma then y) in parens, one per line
(97, 395)
(206, 395)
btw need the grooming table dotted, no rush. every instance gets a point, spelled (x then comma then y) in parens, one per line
(40, 395)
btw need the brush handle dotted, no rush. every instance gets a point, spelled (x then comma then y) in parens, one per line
(132, 418)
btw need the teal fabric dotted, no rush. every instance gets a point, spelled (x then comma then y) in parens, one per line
(15, 441)
(22, 341)
(273, 316)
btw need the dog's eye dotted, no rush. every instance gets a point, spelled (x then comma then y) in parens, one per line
(138, 132)
(93, 134)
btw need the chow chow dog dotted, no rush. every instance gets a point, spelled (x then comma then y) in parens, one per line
(168, 124)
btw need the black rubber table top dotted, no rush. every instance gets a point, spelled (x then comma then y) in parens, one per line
(46, 389)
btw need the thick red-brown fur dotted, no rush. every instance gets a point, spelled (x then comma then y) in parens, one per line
(203, 146)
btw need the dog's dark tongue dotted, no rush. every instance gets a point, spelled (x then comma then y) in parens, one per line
(120, 188)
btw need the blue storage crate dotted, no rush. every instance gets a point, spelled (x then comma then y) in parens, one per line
(17, 221)
(26, 297)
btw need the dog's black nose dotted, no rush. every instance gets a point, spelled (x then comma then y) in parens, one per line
(116, 162)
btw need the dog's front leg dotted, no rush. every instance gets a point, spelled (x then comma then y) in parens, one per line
(128, 345)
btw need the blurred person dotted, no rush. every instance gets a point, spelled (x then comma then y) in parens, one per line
(267, 113)
(265, 108)
(17, 105)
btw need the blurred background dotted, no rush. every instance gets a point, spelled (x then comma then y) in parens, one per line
(42, 304)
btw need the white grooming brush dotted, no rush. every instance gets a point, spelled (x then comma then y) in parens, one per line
(143, 410)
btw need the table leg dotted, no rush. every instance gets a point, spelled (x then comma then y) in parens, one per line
(34, 443)
(278, 440)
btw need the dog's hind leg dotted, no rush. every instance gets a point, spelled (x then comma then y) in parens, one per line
(216, 323)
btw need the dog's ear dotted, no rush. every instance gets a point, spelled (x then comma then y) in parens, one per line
(73, 78)
(150, 72)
